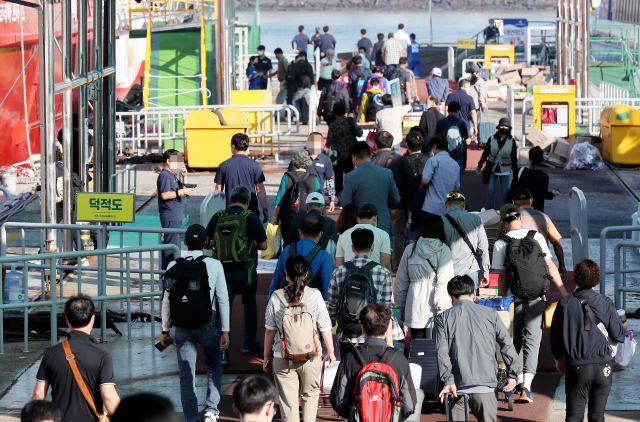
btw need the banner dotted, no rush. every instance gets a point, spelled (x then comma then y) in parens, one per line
(515, 33)
(105, 207)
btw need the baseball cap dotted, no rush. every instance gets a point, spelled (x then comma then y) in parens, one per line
(521, 194)
(315, 198)
(368, 208)
(436, 71)
(456, 195)
(474, 68)
(509, 210)
(195, 234)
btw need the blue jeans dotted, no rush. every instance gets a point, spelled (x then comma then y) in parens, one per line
(300, 103)
(208, 337)
(414, 66)
(474, 277)
(491, 194)
(396, 148)
(250, 308)
(462, 162)
(169, 238)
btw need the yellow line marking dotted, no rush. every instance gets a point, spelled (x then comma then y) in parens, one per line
(13, 236)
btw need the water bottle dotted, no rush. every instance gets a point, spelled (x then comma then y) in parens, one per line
(13, 286)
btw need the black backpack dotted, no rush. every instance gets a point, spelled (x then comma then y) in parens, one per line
(527, 273)
(374, 106)
(189, 292)
(304, 75)
(417, 163)
(296, 195)
(331, 99)
(358, 291)
(316, 280)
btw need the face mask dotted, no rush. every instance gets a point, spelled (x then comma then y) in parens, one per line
(504, 131)
(261, 52)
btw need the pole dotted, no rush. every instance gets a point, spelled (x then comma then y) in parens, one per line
(109, 95)
(48, 171)
(67, 126)
(430, 25)
(82, 94)
(98, 165)
(586, 49)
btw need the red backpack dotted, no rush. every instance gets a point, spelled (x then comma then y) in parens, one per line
(377, 393)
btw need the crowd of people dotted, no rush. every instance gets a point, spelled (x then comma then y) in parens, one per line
(399, 214)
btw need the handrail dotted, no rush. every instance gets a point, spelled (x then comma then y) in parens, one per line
(603, 252)
(621, 302)
(113, 179)
(103, 297)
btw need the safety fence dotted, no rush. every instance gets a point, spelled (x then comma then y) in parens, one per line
(579, 225)
(147, 130)
(164, 14)
(213, 203)
(117, 180)
(56, 299)
(608, 90)
(620, 270)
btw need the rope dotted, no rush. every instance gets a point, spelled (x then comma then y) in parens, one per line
(24, 93)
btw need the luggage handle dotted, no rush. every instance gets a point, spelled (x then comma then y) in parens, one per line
(466, 406)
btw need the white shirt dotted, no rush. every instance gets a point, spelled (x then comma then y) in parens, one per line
(403, 38)
(381, 243)
(218, 287)
(390, 120)
(499, 249)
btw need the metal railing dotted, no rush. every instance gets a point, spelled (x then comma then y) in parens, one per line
(122, 175)
(603, 256)
(588, 111)
(608, 90)
(579, 225)
(620, 271)
(150, 126)
(214, 202)
(164, 14)
(527, 107)
(103, 297)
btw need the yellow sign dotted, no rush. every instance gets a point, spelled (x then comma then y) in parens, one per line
(105, 207)
(466, 44)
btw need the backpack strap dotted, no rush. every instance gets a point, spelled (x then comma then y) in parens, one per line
(586, 309)
(293, 250)
(433, 267)
(389, 354)
(293, 178)
(312, 255)
(462, 234)
(531, 234)
(358, 353)
(280, 294)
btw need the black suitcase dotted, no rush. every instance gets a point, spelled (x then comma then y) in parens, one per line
(466, 407)
(423, 352)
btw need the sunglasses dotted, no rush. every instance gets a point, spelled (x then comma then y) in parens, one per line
(455, 195)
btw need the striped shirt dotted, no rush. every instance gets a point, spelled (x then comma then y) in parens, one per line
(381, 279)
(275, 312)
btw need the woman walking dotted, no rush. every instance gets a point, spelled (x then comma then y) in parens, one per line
(421, 281)
(297, 379)
(500, 154)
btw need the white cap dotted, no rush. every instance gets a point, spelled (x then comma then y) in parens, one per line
(315, 198)
(436, 71)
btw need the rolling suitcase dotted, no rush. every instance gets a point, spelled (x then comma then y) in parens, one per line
(485, 130)
(466, 407)
(423, 353)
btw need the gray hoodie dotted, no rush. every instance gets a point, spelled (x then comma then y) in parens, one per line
(420, 292)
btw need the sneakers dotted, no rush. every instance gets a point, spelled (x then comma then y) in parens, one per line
(225, 358)
(525, 395)
(210, 417)
(254, 349)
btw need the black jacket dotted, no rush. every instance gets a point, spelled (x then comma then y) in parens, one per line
(570, 341)
(428, 123)
(402, 173)
(537, 181)
(344, 384)
(328, 229)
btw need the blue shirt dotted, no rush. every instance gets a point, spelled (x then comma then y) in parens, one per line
(466, 105)
(327, 42)
(240, 170)
(300, 41)
(443, 174)
(450, 120)
(439, 88)
(322, 263)
(366, 44)
(171, 209)
(414, 51)
(254, 81)
(320, 167)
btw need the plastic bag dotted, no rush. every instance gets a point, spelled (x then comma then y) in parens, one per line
(626, 349)
(274, 242)
(584, 156)
(497, 303)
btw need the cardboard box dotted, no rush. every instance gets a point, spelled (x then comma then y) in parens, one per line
(507, 319)
(530, 71)
(510, 78)
(523, 157)
(515, 67)
(538, 79)
(541, 139)
(493, 91)
(556, 159)
(485, 291)
(562, 148)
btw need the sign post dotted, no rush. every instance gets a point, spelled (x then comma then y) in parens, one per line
(464, 44)
(105, 207)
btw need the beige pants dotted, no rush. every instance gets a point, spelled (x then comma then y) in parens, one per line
(300, 380)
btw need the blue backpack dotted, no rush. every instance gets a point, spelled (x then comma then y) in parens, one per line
(455, 143)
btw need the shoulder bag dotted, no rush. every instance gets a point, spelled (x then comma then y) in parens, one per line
(477, 253)
(102, 417)
(588, 316)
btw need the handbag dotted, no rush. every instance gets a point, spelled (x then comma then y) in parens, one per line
(486, 172)
(102, 417)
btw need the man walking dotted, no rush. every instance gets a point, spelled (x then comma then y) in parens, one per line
(281, 73)
(455, 128)
(403, 176)
(300, 41)
(362, 245)
(315, 206)
(81, 355)
(240, 170)
(302, 76)
(391, 52)
(467, 111)
(403, 38)
(430, 118)
(540, 222)
(376, 58)
(196, 321)
(466, 337)
(343, 133)
(240, 273)
(263, 66)
(327, 42)
(390, 118)
(365, 43)
(467, 240)
(443, 174)
(332, 94)
(358, 72)
(404, 76)
(529, 303)
(369, 183)
(417, 160)
(170, 206)
(316, 40)
(438, 87)
(414, 56)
